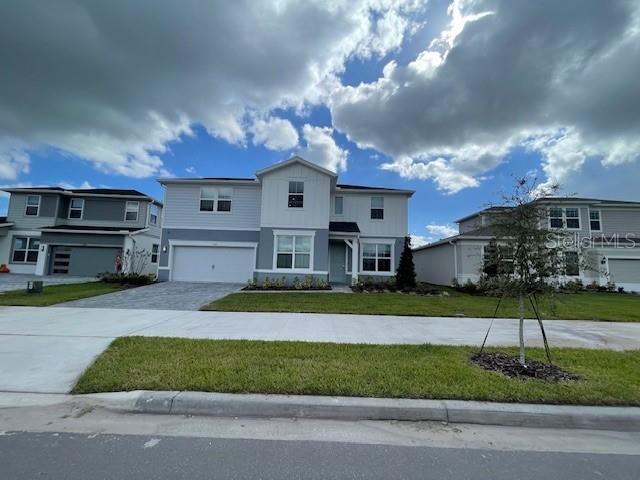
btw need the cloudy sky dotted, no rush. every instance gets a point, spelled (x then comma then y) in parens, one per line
(450, 98)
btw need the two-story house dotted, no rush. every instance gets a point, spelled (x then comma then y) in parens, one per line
(605, 233)
(57, 231)
(292, 220)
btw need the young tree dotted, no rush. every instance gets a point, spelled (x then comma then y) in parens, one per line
(406, 273)
(536, 251)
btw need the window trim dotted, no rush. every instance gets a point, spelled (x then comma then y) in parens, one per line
(392, 245)
(335, 203)
(156, 253)
(289, 193)
(215, 199)
(71, 208)
(599, 219)
(372, 208)
(293, 233)
(26, 205)
(157, 215)
(564, 218)
(25, 250)
(126, 210)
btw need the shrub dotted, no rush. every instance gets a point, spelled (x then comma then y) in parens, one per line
(127, 278)
(406, 273)
(573, 286)
(620, 289)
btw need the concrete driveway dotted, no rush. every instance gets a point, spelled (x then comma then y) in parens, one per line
(46, 349)
(16, 281)
(160, 296)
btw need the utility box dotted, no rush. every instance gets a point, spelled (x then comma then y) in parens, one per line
(34, 287)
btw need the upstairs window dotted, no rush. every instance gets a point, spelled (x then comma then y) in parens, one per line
(33, 205)
(338, 206)
(555, 218)
(376, 257)
(573, 218)
(76, 206)
(25, 250)
(377, 208)
(296, 195)
(213, 199)
(594, 220)
(154, 253)
(131, 211)
(153, 214)
(293, 252)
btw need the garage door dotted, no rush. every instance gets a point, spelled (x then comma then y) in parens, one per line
(625, 273)
(83, 261)
(212, 264)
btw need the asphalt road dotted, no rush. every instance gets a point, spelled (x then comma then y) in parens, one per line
(25, 455)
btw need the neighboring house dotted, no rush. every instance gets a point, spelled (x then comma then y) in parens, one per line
(607, 233)
(292, 220)
(52, 230)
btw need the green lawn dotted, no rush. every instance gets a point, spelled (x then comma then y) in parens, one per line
(57, 294)
(408, 371)
(580, 306)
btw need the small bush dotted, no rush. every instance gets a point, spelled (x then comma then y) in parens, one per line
(620, 289)
(136, 279)
(573, 286)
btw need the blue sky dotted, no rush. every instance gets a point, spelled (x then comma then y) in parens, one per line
(451, 99)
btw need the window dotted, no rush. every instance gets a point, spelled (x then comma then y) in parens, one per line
(293, 251)
(338, 205)
(376, 257)
(76, 206)
(153, 214)
(296, 195)
(573, 218)
(555, 218)
(154, 253)
(131, 211)
(25, 250)
(377, 208)
(594, 220)
(214, 199)
(33, 205)
(571, 264)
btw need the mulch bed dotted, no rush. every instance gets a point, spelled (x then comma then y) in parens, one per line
(510, 366)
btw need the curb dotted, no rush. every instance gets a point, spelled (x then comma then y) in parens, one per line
(356, 408)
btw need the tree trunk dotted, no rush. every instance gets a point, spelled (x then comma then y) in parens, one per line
(521, 332)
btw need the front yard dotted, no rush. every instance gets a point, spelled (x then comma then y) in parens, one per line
(304, 368)
(573, 306)
(53, 294)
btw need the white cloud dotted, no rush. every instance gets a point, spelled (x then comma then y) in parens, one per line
(190, 170)
(441, 231)
(322, 149)
(13, 160)
(275, 133)
(120, 92)
(419, 240)
(504, 75)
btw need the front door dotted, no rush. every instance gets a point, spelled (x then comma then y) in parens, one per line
(337, 262)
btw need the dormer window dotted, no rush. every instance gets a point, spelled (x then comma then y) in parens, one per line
(131, 211)
(296, 195)
(377, 208)
(33, 206)
(76, 206)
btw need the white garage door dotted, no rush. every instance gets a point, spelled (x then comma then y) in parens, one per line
(212, 264)
(625, 273)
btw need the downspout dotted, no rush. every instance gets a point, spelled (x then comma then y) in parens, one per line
(455, 259)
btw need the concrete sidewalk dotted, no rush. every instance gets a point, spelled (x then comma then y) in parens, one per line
(46, 349)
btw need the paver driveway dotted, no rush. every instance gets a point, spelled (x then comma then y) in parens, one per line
(160, 296)
(16, 281)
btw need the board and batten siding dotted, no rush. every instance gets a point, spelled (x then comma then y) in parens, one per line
(357, 208)
(46, 215)
(620, 221)
(182, 208)
(275, 195)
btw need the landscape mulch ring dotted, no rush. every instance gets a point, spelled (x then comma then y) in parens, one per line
(511, 366)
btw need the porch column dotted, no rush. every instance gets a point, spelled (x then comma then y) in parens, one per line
(355, 260)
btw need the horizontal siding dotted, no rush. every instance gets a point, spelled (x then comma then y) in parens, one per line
(620, 221)
(16, 209)
(357, 208)
(103, 212)
(182, 208)
(435, 265)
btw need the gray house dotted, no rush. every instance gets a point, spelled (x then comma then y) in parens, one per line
(605, 232)
(291, 220)
(52, 230)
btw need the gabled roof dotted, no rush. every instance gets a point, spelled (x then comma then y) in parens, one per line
(480, 212)
(293, 160)
(487, 232)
